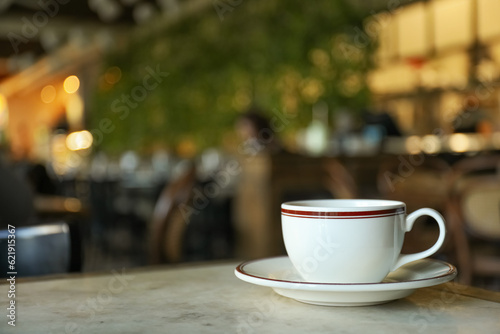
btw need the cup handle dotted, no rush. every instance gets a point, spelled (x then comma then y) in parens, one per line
(410, 219)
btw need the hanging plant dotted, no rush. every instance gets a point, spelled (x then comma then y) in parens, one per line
(190, 81)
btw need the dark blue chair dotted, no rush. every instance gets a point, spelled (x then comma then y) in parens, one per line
(41, 250)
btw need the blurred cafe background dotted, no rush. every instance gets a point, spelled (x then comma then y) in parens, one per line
(141, 132)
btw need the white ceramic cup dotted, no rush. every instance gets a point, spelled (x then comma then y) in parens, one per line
(350, 241)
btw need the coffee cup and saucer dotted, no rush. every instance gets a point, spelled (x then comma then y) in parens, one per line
(348, 253)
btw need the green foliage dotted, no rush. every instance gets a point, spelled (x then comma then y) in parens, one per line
(283, 55)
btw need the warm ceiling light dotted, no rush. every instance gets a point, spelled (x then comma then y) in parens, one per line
(4, 114)
(48, 94)
(3, 103)
(71, 84)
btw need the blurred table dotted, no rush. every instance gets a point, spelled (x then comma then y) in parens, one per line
(58, 206)
(208, 298)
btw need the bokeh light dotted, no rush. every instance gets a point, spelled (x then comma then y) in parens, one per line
(459, 142)
(113, 75)
(4, 112)
(79, 140)
(71, 84)
(412, 145)
(430, 144)
(48, 94)
(74, 110)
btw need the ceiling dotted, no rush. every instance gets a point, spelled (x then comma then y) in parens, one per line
(29, 29)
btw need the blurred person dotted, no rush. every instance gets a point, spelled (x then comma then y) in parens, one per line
(257, 134)
(21, 158)
(16, 199)
(383, 120)
(40, 180)
(252, 204)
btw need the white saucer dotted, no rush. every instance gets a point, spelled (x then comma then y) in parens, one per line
(278, 273)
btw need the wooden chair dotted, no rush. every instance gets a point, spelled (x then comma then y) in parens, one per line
(340, 181)
(170, 218)
(473, 217)
(418, 181)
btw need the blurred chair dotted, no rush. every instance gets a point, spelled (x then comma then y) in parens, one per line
(42, 250)
(340, 181)
(265, 182)
(473, 217)
(168, 224)
(419, 181)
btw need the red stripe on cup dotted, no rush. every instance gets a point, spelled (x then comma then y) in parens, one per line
(342, 215)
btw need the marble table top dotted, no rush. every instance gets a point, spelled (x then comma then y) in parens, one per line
(208, 298)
